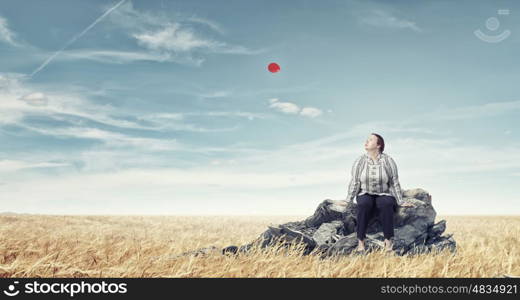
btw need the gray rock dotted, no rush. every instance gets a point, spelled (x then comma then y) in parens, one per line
(344, 245)
(437, 229)
(328, 210)
(327, 233)
(419, 194)
(295, 235)
(230, 249)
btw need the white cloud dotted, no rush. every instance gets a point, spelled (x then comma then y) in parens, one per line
(163, 121)
(16, 165)
(217, 94)
(37, 99)
(383, 19)
(166, 121)
(122, 57)
(6, 34)
(172, 39)
(211, 24)
(240, 114)
(19, 99)
(110, 139)
(310, 112)
(176, 38)
(291, 108)
(285, 107)
(160, 117)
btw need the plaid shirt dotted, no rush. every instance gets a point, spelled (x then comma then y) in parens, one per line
(377, 177)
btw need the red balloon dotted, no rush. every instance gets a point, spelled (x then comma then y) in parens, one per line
(273, 67)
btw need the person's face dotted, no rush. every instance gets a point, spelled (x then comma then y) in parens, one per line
(371, 143)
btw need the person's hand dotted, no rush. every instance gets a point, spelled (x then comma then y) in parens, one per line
(407, 204)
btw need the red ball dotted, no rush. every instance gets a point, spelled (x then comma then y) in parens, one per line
(273, 67)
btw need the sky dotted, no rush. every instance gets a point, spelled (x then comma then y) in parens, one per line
(167, 107)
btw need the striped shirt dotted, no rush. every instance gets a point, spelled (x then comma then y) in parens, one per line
(377, 177)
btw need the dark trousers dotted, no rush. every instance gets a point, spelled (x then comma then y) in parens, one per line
(385, 205)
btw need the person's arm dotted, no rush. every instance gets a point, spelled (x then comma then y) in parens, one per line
(353, 187)
(394, 181)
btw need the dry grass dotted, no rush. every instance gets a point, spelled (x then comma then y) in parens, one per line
(146, 246)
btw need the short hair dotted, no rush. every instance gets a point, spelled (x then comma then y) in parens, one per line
(380, 142)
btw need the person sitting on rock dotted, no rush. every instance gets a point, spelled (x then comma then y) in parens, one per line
(375, 184)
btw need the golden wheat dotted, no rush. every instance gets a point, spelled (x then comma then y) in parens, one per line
(148, 246)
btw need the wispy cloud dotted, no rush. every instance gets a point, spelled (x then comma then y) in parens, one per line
(482, 110)
(20, 100)
(216, 94)
(16, 165)
(211, 24)
(37, 99)
(385, 19)
(490, 109)
(120, 57)
(75, 38)
(110, 138)
(176, 38)
(159, 118)
(172, 40)
(6, 34)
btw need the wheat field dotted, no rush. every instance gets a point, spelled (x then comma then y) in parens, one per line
(148, 246)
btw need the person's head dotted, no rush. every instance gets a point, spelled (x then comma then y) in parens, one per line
(375, 142)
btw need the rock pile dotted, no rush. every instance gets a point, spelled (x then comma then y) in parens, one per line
(331, 230)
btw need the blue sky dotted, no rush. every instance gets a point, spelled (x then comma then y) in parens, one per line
(167, 107)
